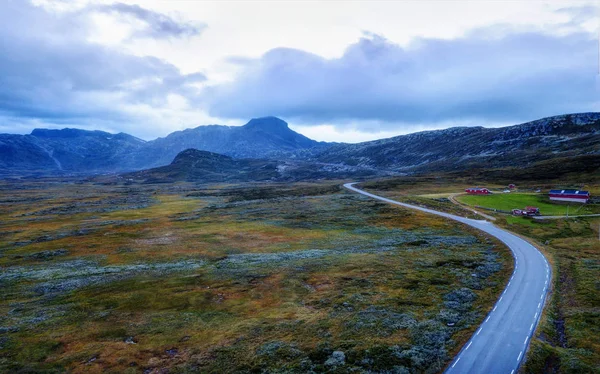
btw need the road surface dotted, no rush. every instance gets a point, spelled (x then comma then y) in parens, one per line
(500, 343)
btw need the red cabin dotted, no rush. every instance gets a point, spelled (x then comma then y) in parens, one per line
(477, 191)
(512, 186)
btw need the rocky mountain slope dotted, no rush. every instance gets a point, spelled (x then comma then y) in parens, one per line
(67, 150)
(80, 151)
(476, 147)
(201, 166)
(92, 152)
(267, 137)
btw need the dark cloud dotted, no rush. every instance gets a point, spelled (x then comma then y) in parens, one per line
(158, 25)
(52, 74)
(491, 75)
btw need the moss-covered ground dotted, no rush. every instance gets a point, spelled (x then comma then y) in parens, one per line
(191, 278)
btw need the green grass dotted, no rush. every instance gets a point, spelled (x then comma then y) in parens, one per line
(510, 201)
(511, 220)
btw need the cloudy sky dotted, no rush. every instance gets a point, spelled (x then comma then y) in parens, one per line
(336, 71)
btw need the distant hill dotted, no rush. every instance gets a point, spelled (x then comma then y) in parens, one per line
(88, 152)
(462, 148)
(70, 151)
(267, 137)
(67, 150)
(201, 166)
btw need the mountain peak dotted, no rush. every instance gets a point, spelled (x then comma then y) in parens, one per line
(270, 124)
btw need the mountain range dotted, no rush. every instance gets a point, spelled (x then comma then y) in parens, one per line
(460, 148)
(69, 151)
(273, 146)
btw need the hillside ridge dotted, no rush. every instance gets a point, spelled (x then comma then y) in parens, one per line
(76, 151)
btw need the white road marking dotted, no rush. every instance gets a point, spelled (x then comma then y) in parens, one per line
(468, 346)
(500, 298)
(531, 327)
(536, 313)
(520, 354)
(487, 319)
(539, 305)
(513, 371)
(509, 283)
(455, 362)
(541, 296)
(525, 342)
(478, 331)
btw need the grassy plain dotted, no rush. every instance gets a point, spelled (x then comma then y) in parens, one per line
(516, 200)
(195, 278)
(568, 338)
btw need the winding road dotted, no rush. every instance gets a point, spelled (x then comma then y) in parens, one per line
(500, 343)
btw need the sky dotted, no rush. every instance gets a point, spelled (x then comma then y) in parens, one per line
(345, 71)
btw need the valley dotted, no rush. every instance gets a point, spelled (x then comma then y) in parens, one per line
(226, 277)
(300, 187)
(259, 261)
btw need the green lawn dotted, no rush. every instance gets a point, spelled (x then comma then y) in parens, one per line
(509, 201)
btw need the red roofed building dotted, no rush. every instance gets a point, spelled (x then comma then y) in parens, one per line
(575, 196)
(477, 191)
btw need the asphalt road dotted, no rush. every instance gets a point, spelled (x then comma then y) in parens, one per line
(500, 343)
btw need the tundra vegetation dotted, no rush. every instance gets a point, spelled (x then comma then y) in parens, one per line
(568, 337)
(228, 278)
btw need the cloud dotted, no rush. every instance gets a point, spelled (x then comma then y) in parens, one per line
(580, 14)
(52, 74)
(156, 25)
(491, 75)
(59, 70)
